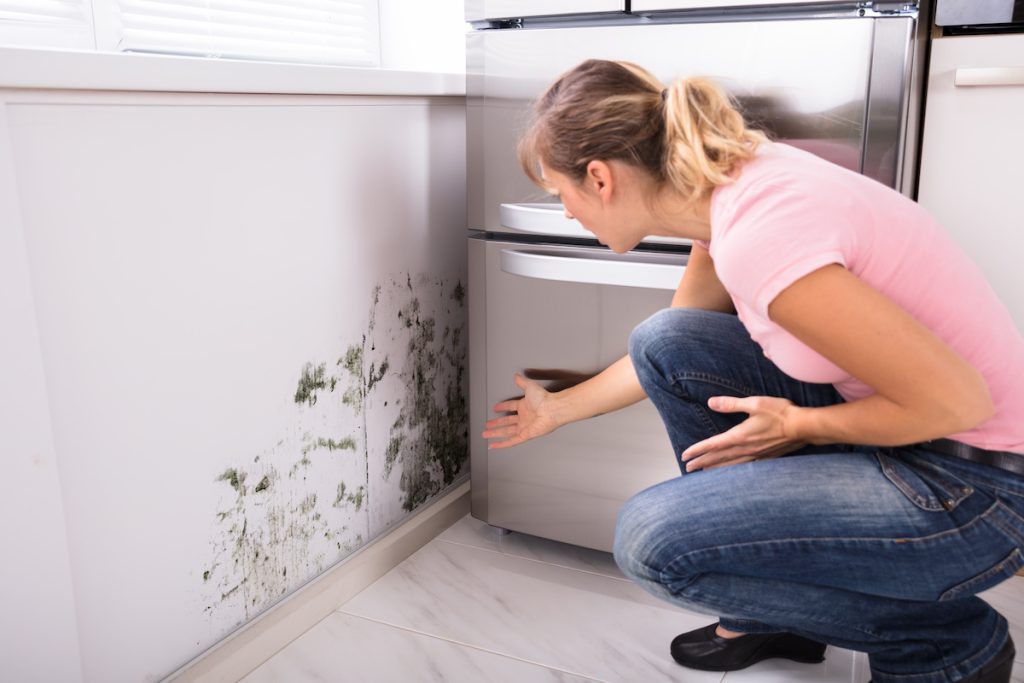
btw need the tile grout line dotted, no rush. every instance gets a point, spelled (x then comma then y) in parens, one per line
(470, 646)
(530, 559)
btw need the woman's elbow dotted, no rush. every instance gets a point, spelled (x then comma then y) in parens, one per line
(972, 405)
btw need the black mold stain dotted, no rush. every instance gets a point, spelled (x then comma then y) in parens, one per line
(271, 540)
(235, 478)
(429, 437)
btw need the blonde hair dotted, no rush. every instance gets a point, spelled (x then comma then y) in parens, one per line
(690, 135)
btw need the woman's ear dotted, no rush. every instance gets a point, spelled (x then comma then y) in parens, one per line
(599, 179)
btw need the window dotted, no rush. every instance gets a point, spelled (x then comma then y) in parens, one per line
(334, 32)
(338, 32)
(46, 23)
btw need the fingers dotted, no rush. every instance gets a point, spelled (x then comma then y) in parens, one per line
(502, 421)
(501, 432)
(494, 445)
(509, 406)
(717, 442)
(732, 404)
(730, 456)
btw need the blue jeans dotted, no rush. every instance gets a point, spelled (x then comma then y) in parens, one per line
(880, 550)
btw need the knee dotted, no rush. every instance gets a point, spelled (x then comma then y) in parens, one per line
(644, 538)
(670, 330)
(641, 337)
(628, 547)
(648, 333)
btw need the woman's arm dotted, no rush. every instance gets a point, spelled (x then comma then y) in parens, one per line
(539, 412)
(700, 286)
(924, 389)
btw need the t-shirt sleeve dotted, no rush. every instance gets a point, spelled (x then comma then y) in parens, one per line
(772, 238)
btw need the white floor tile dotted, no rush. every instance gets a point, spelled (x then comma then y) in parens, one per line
(471, 531)
(574, 621)
(476, 605)
(347, 648)
(840, 666)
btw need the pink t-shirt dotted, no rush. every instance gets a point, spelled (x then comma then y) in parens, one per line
(790, 213)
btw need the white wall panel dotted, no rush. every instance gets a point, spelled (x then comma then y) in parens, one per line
(193, 259)
(38, 635)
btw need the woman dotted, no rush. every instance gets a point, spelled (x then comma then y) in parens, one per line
(822, 315)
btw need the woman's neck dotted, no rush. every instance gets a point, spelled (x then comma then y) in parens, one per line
(676, 216)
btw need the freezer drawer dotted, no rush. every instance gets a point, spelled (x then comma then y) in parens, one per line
(566, 308)
(836, 87)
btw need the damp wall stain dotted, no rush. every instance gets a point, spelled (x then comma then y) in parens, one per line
(392, 402)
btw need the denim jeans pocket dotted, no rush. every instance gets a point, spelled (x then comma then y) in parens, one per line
(925, 485)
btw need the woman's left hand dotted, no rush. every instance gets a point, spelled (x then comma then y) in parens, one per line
(762, 435)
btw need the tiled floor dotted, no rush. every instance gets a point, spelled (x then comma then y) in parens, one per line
(479, 607)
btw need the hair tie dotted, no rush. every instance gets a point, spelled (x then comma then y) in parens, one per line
(664, 94)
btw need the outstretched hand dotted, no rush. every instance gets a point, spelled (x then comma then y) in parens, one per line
(530, 416)
(759, 436)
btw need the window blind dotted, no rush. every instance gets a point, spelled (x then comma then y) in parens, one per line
(44, 11)
(46, 23)
(335, 32)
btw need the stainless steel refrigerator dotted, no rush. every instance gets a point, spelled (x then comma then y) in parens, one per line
(840, 79)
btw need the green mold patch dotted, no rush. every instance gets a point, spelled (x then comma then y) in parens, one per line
(405, 374)
(312, 380)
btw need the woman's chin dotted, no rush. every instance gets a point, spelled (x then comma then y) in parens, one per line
(622, 247)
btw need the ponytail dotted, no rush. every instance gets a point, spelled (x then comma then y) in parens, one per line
(706, 138)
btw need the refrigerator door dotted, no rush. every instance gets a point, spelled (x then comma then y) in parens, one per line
(805, 80)
(652, 5)
(569, 309)
(477, 10)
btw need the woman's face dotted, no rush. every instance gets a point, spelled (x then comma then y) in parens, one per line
(589, 203)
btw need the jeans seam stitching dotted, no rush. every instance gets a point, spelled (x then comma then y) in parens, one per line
(999, 568)
(1013, 534)
(713, 379)
(814, 539)
(904, 486)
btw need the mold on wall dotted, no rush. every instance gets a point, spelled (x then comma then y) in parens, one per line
(389, 409)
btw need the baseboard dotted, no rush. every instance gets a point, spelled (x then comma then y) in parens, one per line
(257, 642)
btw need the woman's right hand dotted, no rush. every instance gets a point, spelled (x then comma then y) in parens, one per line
(530, 416)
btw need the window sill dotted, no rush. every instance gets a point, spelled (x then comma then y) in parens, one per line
(85, 70)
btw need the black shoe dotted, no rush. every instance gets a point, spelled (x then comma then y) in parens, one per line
(996, 671)
(705, 650)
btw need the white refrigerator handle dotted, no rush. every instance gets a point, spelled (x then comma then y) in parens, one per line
(619, 273)
(549, 219)
(988, 76)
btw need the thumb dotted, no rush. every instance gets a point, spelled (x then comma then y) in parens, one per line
(520, 381)
(727, 404)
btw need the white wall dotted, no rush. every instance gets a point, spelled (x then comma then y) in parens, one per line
(38, 635)
(423, 36)
(172, 265)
